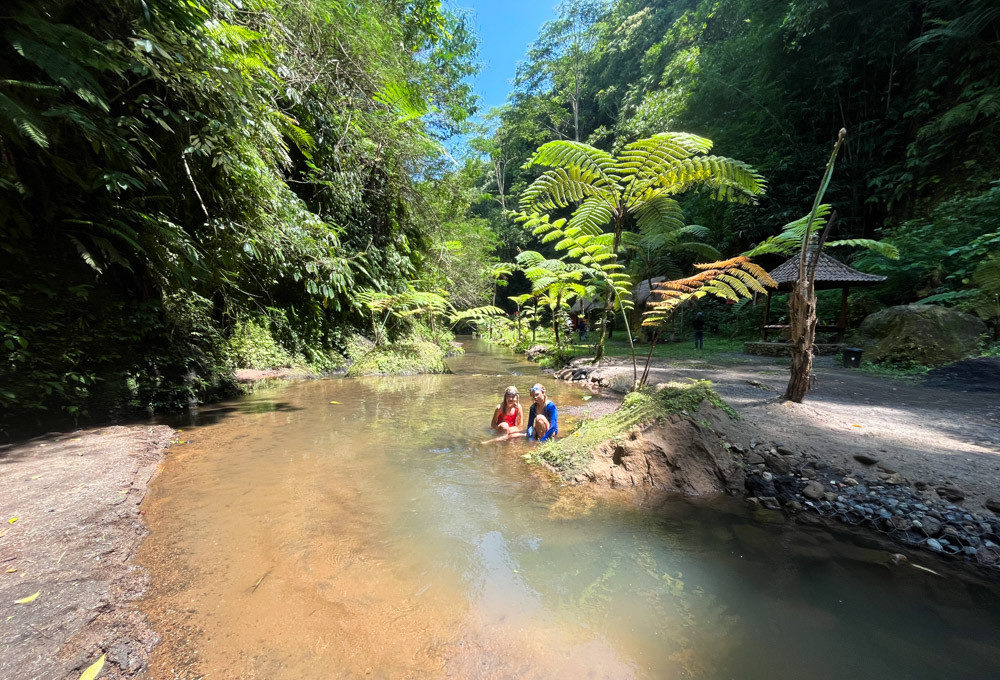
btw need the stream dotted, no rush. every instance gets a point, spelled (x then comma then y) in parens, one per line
(358, 528)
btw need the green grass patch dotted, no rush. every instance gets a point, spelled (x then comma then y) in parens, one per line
(409, 356)
(888, 370)
(574, 452)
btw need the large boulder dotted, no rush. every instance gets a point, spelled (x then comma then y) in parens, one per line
(919, 334)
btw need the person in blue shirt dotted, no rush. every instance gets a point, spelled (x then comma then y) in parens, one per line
(542, 418)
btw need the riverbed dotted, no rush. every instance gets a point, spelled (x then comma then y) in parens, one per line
(360, 528)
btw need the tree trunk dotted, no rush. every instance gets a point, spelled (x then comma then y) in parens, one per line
(802, 313)
(802, 304)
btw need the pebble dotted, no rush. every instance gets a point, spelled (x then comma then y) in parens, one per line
(934, 545)
(813, 490)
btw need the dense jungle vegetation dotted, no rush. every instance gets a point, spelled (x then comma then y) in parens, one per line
(190, 187)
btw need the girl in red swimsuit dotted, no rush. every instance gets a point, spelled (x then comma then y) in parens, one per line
(507, 415)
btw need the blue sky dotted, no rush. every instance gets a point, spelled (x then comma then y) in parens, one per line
(505, 30)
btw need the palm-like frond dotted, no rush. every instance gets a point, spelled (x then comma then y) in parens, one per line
(593, 215)
(659, 213)
(558, 188)
(733, 279)
(594, 165)
(883, 248)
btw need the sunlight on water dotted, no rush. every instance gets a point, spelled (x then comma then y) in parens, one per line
(295, 539)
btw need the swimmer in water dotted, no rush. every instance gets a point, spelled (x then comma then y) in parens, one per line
(508, 415)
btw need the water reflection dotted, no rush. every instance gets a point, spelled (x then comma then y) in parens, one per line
(377, 537)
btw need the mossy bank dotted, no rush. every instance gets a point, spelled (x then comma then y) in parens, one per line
(660, 441)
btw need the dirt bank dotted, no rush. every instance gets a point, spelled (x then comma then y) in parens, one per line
(69, 505)
(676, 454)
(916, 460)
(932, 435)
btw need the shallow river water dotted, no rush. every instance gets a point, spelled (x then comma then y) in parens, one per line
(296, 538)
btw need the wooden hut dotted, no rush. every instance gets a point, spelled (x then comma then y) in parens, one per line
(830, 273)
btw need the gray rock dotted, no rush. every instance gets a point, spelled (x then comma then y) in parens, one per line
(813, 490)
(850, 481)
(924, 334)
(934, 545)
(754, 458)
(865, 459)
(784, 450)
(767, 476)
(950, 492)
(808, 473)
(993, 505)
(777, 463)
(930, 527)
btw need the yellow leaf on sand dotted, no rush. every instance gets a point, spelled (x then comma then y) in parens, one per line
(12, 520)
(92, 672)
(855, 426)
(3, 532)
(334, 402)
(12, 570)
(30, 598)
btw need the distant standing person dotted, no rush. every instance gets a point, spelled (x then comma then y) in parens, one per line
(699, 330)
(507, 416)
(582, 328)
(542, 419)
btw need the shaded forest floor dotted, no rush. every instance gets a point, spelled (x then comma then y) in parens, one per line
(932, 431)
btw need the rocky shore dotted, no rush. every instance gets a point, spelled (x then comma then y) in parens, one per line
(780, 479)
(915, 469)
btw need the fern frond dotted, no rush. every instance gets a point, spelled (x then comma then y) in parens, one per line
(592, 164)
(592, 216)
(22, 120)
(883, 248)
(659, 213)
(733, 279)
(558, 188)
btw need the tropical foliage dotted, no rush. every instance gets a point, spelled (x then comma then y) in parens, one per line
(175, 171)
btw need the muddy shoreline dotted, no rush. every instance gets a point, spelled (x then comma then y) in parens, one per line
(78, 526)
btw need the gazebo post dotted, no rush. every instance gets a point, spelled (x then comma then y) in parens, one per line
(842, 323)
(767, 315)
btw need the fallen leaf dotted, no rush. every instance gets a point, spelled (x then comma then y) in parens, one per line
(92, 672)
(929, 571)
(2, 533)
(12, 520)
(587, 397)
(30, 598)
(334, 402)
(855, 426)
(12, 570)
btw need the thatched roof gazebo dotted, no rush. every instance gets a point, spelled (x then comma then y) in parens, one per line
(830, 273)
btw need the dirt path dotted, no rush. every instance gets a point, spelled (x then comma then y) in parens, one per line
(75, 497)
(929, 435)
